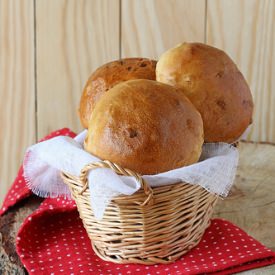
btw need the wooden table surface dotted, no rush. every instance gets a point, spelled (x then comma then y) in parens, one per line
(250, 205)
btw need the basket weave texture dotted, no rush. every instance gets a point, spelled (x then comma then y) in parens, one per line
(152, 226)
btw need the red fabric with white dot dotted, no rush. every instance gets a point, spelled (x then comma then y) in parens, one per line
(52, 240)
(19, 189)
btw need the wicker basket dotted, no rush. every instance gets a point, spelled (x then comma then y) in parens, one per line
(151, 226)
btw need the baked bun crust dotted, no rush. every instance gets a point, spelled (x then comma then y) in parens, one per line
(107, 76)
(145, 126)
(213, 83)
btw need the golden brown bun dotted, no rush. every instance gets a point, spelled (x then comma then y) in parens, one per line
(213, 83)
(107, 76)
(145, 126)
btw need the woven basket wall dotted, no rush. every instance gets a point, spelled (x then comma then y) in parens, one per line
(152, 226)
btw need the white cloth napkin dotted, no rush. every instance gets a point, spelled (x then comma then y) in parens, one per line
(44, 161)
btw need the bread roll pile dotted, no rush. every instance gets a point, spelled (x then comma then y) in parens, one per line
(153, 117)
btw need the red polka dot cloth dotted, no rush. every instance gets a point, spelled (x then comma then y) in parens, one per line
(52, 240)
(19, 189)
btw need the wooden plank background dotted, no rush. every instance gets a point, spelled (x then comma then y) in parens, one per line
(48, 48)
(17, 87)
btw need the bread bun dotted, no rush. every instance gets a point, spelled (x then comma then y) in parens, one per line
(107, 76)
(213, 83)
(145, 126)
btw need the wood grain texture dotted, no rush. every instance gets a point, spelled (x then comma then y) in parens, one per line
(10, 223)
(149, 27)
(17, 94)
(73, 39)
(245, 30)
(251, 203)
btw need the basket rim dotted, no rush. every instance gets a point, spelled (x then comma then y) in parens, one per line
(75, 183)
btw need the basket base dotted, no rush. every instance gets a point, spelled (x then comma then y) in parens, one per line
(145, 261)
